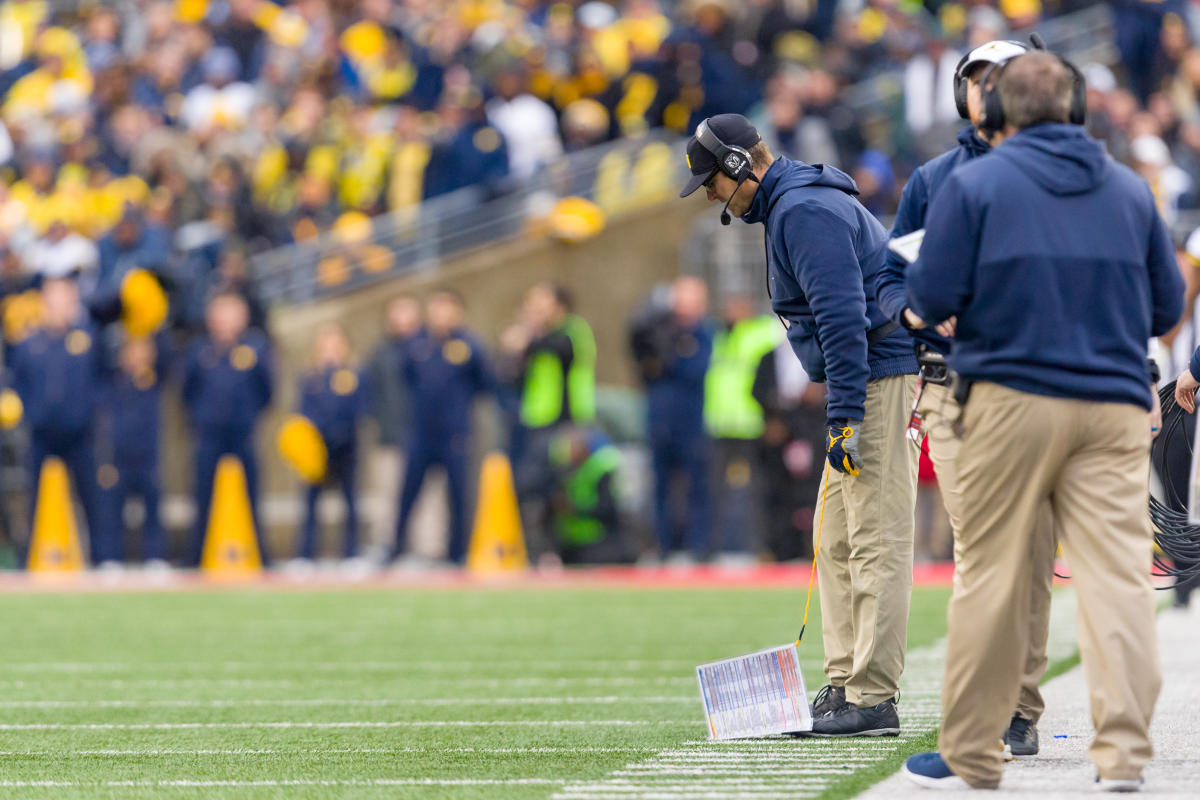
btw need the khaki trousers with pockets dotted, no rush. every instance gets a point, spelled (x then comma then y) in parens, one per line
(939, 412)
(865, 555)
(1090, 461)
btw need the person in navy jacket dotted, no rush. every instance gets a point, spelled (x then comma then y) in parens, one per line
(673, 348)
(59, 372)
(132, 417)
(333, 398)
(936, 405)
(823, 252)
(228, 381)
(446, 369)
(1056, 268)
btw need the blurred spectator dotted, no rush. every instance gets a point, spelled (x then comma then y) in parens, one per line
(527, 124)
(929, 86)
(58, 372)
(735, 423)
(63, 253)
(1152, 160)
(876, 182)
(793, 447)
(333, 398)
(133, 409)
(585, 515)
(555, 371)
(132, 244)
(391, 406)
(222, 102)
(228, 382)
(446, 369)
(672, 346)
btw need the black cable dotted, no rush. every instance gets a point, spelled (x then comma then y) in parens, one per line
(1171, 454)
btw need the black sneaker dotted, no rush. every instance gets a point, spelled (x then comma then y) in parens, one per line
(1021, 737)
(830, 698)
(852, 720)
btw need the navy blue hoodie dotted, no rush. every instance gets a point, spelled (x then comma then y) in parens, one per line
(910, 216)
(1057, 265)
(823, 250)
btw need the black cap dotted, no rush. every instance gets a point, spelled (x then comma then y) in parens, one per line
(732, 129)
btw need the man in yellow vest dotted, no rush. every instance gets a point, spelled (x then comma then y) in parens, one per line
(558, 385)
(735, 422)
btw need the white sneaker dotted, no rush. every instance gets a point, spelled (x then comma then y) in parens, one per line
(681, 559)
(412, 564)
(299, 568)
(156, 566)
(735, 561)
(356, 568)
(1118, 784)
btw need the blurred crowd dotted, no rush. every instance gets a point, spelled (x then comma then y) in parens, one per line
(220, 125)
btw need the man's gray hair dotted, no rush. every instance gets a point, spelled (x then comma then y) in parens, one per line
(1034, 88)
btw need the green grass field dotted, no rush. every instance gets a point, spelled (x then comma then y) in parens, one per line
(434, 693)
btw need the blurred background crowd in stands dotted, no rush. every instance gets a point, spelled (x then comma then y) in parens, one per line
(190, 137)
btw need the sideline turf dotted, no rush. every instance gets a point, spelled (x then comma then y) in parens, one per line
(381, 649)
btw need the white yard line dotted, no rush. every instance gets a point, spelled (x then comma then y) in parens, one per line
(455, 723)
(785, 767)
(334, 751)
(335, 701)
(351, 664)
(55, 681)
(197, 784)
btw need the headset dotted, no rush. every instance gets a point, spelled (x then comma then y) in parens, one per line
(993, 109)
(732, 160)
(960, 79)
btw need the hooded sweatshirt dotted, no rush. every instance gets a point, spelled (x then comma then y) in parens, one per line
(1057, 265)
(823, 251)
(910, 216)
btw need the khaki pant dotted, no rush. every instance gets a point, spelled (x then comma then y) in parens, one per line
(939, 412)
(1090, 461)
(865, 555)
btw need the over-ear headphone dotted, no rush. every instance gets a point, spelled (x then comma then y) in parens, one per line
(993, 109)
(734, 161)
(960, 80)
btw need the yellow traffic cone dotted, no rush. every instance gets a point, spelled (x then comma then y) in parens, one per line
(230, 547)
(54, 546)
(497, 543)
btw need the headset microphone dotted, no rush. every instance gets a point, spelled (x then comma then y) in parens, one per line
(1037, 41)
(726, 217)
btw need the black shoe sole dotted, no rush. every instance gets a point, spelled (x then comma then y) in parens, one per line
(872, 732)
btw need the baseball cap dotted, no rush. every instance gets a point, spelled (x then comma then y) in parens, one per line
(997, 51)
(732, 129)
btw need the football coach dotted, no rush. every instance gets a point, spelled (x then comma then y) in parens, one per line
(823, 250)
(1059, 270)
(935, 397)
